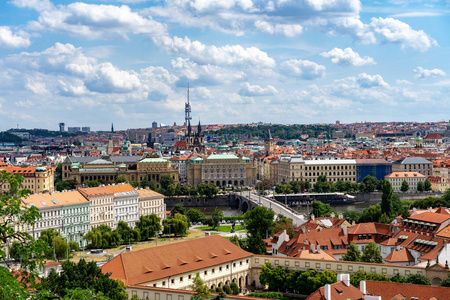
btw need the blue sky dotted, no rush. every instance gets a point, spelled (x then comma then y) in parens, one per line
(91, 63)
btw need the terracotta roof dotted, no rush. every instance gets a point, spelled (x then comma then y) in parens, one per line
(70, 197)
(435, 217)
(444, 233)
(95, 191)
(307, 254)
(388, 290)
(405, 175)
(146, 193)
(397, 256)
(41, 200)
(339, 291)
(433, 136)
(120, 188)
(151, 264)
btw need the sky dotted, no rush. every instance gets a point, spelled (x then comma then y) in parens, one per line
(129, 62)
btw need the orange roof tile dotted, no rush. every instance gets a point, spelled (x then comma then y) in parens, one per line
(387, 290)
(147, 193)
(151, 264)
(70, 197)
(339, 291)
(95, 191)
(397, 256)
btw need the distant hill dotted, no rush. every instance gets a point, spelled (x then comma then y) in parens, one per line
(286, 132)
(6, 137)
(44, 132)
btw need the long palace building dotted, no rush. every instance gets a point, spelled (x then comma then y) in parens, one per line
(108, 168)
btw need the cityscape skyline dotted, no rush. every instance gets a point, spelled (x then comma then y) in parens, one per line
(93, 63)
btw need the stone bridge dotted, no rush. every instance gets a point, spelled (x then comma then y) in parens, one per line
(248, 200)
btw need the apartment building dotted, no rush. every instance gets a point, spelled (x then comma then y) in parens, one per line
(101, 205)
(294, 168)
(36, 179)
(74, 215)
(151, 202)
(413, 164)
(126, 203)
(412, 178)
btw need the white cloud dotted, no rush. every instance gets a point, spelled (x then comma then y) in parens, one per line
(304, 69)
(288, 30)
(10, 40)
(347, 57)
(426, 73)
(417, 14)
(92, 21)
(256, 90)
(106, 78)
(38, 5)
(368, 81)
(189, 71)
(234, 55)
(395, 31)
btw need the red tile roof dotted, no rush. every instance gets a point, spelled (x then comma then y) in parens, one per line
(151, 264)
(339, 291)
(398, 256)
(388, 290)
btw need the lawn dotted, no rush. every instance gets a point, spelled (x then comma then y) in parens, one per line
(222, 228)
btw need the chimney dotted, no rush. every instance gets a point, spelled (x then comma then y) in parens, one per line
(318, 249)
(353, 223)
(312, 217)
(362, 287)
(346, 279)
(333, 215)
(327, 290)
(313, 248)
(344, 230)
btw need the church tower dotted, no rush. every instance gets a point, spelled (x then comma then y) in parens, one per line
(268, 143)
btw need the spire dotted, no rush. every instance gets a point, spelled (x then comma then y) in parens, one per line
(270, 136)
(112, 128)
(199, 128)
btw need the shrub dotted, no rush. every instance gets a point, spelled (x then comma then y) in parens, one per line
(227, 289)
(235, 288)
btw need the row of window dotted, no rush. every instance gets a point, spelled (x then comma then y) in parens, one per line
(205, 273)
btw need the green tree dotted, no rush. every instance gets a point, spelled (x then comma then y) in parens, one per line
(385, 219)
(322, 185)
(353, 253)
(446, 281)
(427, 185)
(352, 215)
(283, 223)
(199, 287)
(195, 215)
(371, 214)
(10, 288)
(418, 279)
(86, 276)
(14, 214)
(255, 244)
(420, 186)
(211, 190)
(177, 225)
(145, 183)
(165, 181)
(178, 209)
(263, 185)
(170, 191)
(148, 226)
(120, 179)
(405, 186)
(259, 220)
(320, 209)
(369, 184)
(227, 289)
(235, 240)
(372, 254)
(57, 245)
(125, 232)
(234, 288)
(216, 217)
(386, 198)
(74, 246)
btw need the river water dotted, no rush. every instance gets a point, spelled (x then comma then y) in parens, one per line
(231, 212)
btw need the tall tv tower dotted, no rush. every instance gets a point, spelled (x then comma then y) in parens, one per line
(187, 109)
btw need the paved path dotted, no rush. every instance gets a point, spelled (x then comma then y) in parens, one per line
(278, 208)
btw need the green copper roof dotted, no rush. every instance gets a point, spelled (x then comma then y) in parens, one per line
(223, 147)
(153, 160)
(75, 165)
(41, 169)
(223, 156)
